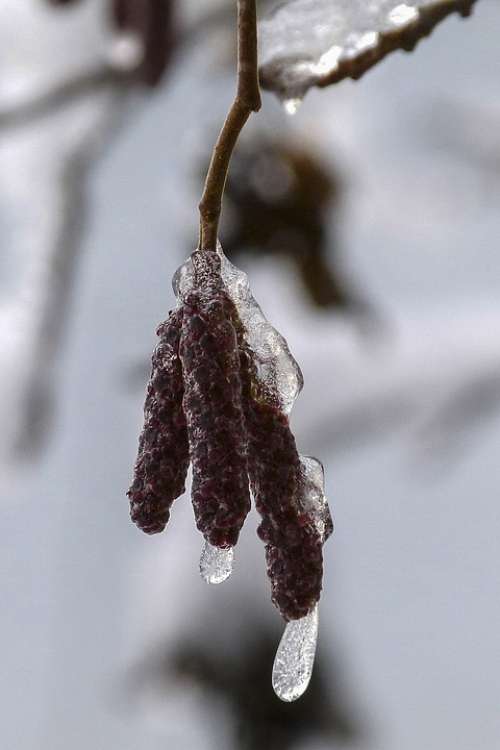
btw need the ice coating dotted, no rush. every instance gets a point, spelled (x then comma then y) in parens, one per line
(314, 500)
(305, 43)
(216, 565)
(288, 488)
(294, 659)
(278, 372)
(289, 498)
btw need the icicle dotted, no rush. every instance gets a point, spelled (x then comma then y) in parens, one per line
(216, 565)
(294, 659)
(296, 652)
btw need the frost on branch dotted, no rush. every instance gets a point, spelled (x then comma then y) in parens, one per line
(305, 43)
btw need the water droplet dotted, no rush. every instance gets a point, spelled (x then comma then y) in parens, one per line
(294, 659)
(292, 105)
(216, 564)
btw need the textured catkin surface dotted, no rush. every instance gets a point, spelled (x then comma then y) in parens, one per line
(163, 456)
(293, 542)
(213, 407)
(212, 401)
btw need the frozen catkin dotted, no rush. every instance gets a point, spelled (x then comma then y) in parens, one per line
(213, 405)
(221, 391)
(163, 456)
(289, 527)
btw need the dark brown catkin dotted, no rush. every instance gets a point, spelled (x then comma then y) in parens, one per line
(213, 408)
(163, 456)
(293, 543)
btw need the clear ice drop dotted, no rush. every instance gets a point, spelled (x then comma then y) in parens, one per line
(216, 565)
(294, 659)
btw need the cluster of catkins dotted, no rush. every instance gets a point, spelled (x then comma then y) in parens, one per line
(206, 405)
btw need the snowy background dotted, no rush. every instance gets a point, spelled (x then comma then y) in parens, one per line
(407, 423)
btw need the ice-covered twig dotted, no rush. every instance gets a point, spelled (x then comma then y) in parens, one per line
(306, 43)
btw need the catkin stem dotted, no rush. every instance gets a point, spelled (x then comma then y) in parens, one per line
(247, 100)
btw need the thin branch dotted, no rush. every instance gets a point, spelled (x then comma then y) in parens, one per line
(247, 100)
(102, 76)
(62, 94)
(52, 276)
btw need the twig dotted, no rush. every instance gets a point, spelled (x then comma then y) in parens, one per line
(99, 77)
(247, 100)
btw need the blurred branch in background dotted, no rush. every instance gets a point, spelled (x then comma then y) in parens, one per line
(238, 675)
(92, 104)
(52, 292)
(151, 30)
(469, 131)
(74, 122)
(282, 202)
(75, 119)
(62, 96)
(278, 195)
(470, 407)
(390, 225)
(385, 388)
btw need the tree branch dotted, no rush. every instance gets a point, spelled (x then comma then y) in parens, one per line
(49, 102)
(247, 100)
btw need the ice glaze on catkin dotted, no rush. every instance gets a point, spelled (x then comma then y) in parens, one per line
(294, 544)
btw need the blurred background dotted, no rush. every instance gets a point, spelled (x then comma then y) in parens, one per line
(369, 225)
